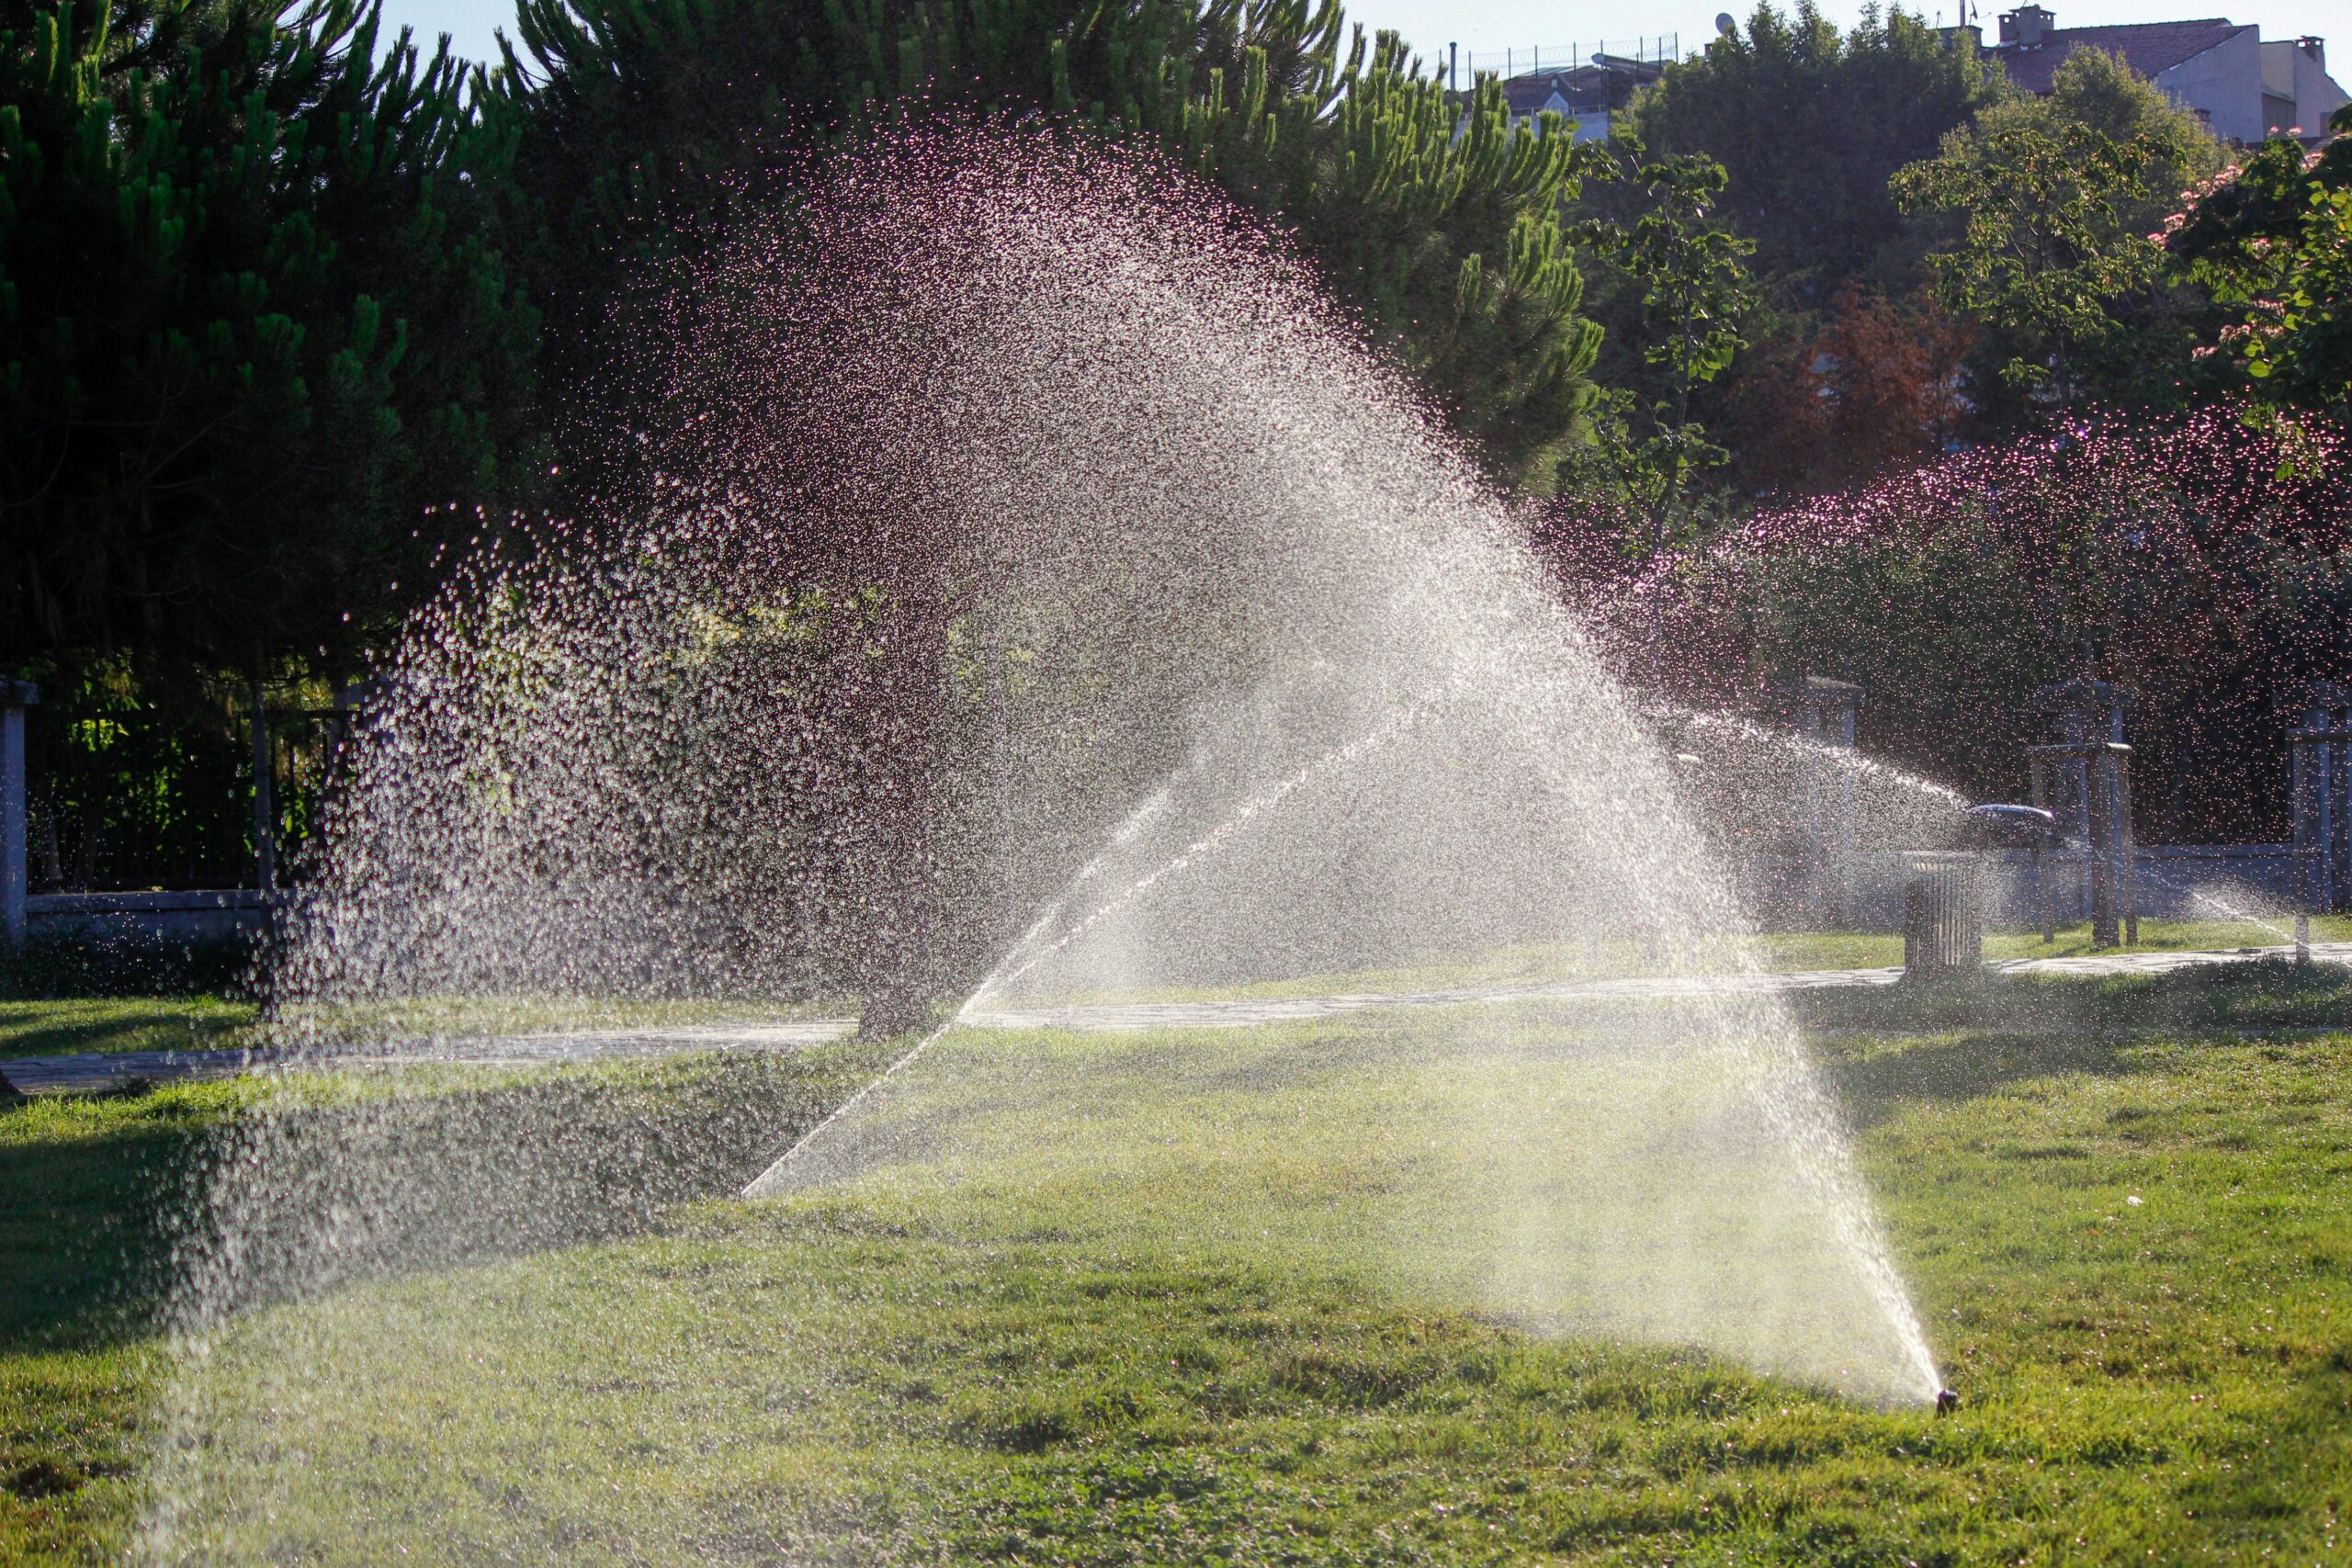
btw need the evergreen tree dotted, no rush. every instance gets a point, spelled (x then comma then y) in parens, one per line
(248, 327)
(643, 126)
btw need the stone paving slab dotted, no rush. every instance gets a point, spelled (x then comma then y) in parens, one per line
(1117, 1016)
(2165, 963)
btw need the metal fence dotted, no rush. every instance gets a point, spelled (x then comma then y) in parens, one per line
(1533, 61)
(124, 799)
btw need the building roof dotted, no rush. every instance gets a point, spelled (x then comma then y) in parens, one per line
(2149, 48)
(1604, 83)
(1527, 94)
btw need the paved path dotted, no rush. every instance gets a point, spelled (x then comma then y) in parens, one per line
(99, 1070)
(1101, 1017)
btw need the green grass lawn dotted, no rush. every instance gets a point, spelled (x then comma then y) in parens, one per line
(217, 1022)
(1230, 1322)
(65, 1027)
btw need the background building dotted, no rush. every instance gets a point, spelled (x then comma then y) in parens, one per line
(1588, 92)
(2247, 90)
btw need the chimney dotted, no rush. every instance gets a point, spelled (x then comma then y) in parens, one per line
(2028, 26)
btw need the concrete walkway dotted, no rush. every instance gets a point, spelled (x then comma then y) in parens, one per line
(1106, 1017)
(100, 1070)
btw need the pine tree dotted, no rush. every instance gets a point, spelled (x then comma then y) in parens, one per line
(641, 126)
(248, 327)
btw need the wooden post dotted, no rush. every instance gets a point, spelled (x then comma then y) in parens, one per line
(2321, 798)
(2098, 803)
(15, 696)
(1823, 712)
(2299, 816)
(2336, 814)
(2088, 758)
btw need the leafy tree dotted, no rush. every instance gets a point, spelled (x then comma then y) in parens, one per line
(1808, 123)
(2273, 239)
(2055, 197)
(1692, 279)
(247, 327)
(643, 128)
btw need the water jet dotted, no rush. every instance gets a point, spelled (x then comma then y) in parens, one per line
(1050, 490)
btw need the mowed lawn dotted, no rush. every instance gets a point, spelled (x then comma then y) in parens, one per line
(1199, 1345)
(219, 1021)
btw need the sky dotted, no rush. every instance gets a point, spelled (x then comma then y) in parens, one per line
(1520, 25)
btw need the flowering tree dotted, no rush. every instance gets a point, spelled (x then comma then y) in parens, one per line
(2274, 239)
(2207, 557)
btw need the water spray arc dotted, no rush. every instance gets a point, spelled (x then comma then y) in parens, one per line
(771, 1182)
(1268, 619)
(1026, 955)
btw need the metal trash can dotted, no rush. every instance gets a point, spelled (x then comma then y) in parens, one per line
(1943, 921)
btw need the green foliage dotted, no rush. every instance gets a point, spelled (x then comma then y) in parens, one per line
(247, 328)
(2273, 238)
(1695, 289)
(1809, 123)
(2055, 197)
(644, 131)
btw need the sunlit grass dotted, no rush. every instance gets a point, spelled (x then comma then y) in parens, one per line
(67, 1026)
(1132, 1368)
(209, 1022)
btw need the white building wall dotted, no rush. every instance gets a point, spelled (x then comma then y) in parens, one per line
(2294, 72)
(2316, 94)
(2225, 83)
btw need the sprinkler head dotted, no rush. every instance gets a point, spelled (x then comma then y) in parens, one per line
(1946, 1402)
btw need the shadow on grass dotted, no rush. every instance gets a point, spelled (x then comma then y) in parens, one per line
(102, 1205)
(2005, 1029)
(1968, 1066)
(145, 1023)
(83, 1223)
(47, 968)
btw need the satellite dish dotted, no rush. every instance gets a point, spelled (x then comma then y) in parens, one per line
(1724, 24)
